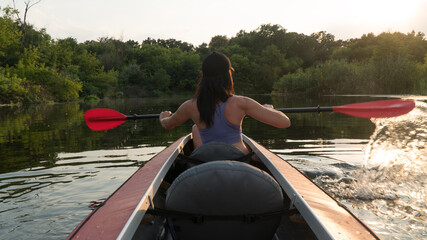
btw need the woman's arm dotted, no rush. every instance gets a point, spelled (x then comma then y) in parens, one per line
(265, 114)
(169, 120)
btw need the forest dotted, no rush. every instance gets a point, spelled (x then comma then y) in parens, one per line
(35, 68)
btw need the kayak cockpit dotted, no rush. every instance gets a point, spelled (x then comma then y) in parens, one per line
(224, 199)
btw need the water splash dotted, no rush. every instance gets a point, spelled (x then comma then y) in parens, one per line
(392, 182)
(396, 156)
(399, 144)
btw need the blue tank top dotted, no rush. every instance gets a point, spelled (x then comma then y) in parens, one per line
(221, 130)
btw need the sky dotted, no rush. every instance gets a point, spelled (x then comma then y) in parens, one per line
(197, 21)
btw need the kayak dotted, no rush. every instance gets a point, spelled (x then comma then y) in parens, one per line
(260, 197)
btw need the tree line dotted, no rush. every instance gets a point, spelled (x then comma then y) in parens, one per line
(268, 59)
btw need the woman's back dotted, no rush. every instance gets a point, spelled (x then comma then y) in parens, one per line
(221, 130)
(215, 88)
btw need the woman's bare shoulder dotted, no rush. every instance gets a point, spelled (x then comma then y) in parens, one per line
(190, 107)
(242, 101)
(190, 103)
(239, 99)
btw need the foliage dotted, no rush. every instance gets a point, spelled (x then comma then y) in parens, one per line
(55, 86)
(15, 90)
(267, 59)
(383, 64)
(170, 43)
(376, 76)
(91, 98)
(102, 83)
(9, 38)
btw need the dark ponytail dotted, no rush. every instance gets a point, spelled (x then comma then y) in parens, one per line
(215, 86)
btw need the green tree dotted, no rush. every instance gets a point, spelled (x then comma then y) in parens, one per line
(9, 38)
(61, 53)
(244, 78)
(272, 66)
(203, 50)
(184, 70)
(325, 46)
(421, 86)
(160, 81)
(417, 46)
(15, 90)
(102, 83)
(55, 86)
(23, 25)
(112, 53)
(394, 70)
(301, 47)
(131, 75)
(218, 43)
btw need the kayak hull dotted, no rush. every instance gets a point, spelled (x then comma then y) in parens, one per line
(121, 215)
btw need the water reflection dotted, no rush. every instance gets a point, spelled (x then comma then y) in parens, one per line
(54, 169)
(49, 201)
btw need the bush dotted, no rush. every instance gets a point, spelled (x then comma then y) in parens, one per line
(299, 82)
(387, 75)
(17, 90)
(54, 85)
(91, 98)
(103, 84)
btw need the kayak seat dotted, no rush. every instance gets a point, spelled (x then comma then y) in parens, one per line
(216, 151)
(213, 151)
(233, 200)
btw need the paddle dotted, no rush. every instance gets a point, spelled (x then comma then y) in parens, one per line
(103, 119)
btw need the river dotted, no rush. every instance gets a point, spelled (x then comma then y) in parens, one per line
(54, 169)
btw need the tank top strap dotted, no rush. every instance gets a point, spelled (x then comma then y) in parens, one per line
(222, 107)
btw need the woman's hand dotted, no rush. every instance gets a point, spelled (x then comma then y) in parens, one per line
(163, 115)
(268, 106)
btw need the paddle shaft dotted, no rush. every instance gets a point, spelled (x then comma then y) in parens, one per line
(284, 110)
(145, 116)
(306, 109)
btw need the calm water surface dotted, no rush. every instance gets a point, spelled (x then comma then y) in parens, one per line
(53, 169)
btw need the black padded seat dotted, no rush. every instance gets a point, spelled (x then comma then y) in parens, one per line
(225, 188)
(216, 151)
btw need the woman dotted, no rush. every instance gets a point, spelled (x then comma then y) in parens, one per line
(216, 111)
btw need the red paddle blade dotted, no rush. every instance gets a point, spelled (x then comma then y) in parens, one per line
(377, 109)
(103, 119)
